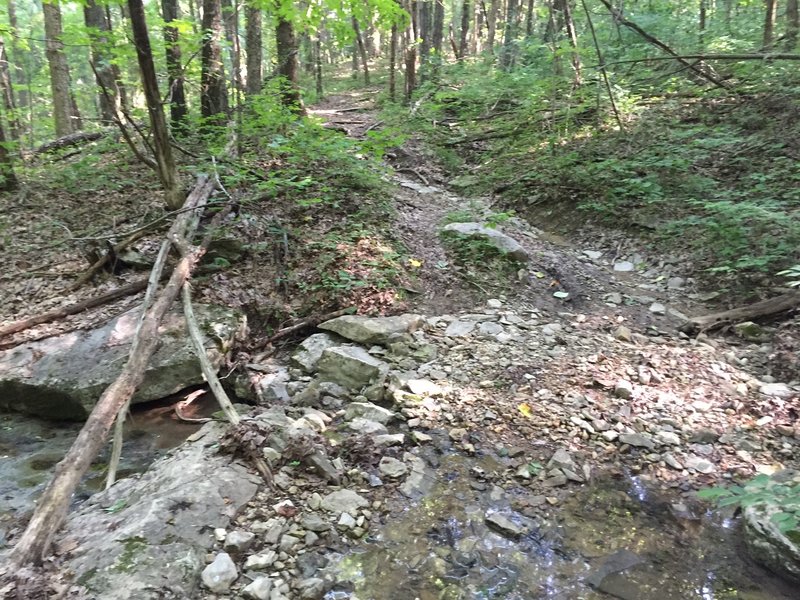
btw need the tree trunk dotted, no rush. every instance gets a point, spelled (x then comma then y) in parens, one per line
(286, 44)
(252, 42)
(8, 180)
(569, 25)
(509, 53)
(438, 34)
(213, 92)
(94, 16)
(411, 72)
(167, 171)
(771, 9)
(463, 42)
(230, 19)
(491, 25)
(362, 49)
(393, 42)
(52, 507)
(59, 71)
(529, 18)
(7, 90)
(701, 24)
(177, 96)
(792, 24)
(318, 64)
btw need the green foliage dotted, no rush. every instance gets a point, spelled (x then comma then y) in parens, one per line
(763, 491)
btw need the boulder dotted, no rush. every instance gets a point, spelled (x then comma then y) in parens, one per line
(369, 411)
(344, 501)
(372, 330)
(148, 536)
(504, 243)
(310, 351)
(62, 377)
(351, 367)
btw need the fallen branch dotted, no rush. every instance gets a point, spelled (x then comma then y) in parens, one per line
(73, 139)
(764, 308)
(763, 57)
(54, 502)
(105, 259)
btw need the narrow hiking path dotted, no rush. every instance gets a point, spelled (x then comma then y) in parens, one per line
(564, 432)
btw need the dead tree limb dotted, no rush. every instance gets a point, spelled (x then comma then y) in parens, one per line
(762, 57)
(73, 139)
(764, 308)
(104, 260)
(701, 70)
(52, 506)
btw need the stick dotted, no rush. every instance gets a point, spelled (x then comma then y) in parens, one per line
(764, 308)
(103, 260)
(309, 322)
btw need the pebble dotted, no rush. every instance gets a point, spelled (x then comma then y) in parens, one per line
(220, 574)
(623, 389)
(258, 589)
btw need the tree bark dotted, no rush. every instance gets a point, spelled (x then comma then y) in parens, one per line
(509, 53)
(52, 507)
(318, 64)
(213, 91)
(569, 26)
(59, 71)
(94, 16)
(393, 43)
(491, 25)
(425, 22)
(170, 10)
(230, 19)
(792, 24)
(437, 34)
(7, 90)
(8, 179)
(286, 45)
(463, 42)
(362, 49)
(167, 171)
(770, 13)
(529, 18)
(252, 44)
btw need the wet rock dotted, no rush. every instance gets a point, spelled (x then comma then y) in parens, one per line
(420, 479)
(504, 526)
(258, 589)
(238, 542)
(459, 328)
(310, 350)
(311, 589)
(343, 501)
(350, 366)
(609, 578)
(62, 377)
(369, 411)
(220, 574)
(638, 440)
(392, 468)
(502, 242)
(372, 330)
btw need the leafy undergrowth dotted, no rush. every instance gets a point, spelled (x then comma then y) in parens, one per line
(311, 233)
(711, 175)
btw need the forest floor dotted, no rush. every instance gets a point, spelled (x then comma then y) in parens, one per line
(566, 353)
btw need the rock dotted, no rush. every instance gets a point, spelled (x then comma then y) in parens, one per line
(154, 544)
(502, 242)
(311, 589)
(343, 501)
(555, 480)
(288, 543)
(220, 574)
(392, 468)
(258, 589)
(350, 366)
(314, 522)
(494, 303)
(260, 562)
(490, 329)
(592, 254)
(767, 544)
(675, 283)
(62, 377)
(238, 542)
(504, 526)
(658, 309)
(389, 439)
(562, 460)
(372, 330)
(605, 578)
(701, 465)
(420, 480)
(639, 440)
(777, 390)
(623, 389)
(310, 350)
(347, 521)
(671, 461)
(367, 427)
(369, 411)
(623, 333)
(624, 266)
(423, 387)
(613, 298)
(459, 328)
(668, 438)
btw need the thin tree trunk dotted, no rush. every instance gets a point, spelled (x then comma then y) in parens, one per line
(425, 22)
(253, 50)
(529, 18)
(318, 64)
(463, 42)
(94, 16)
(393, 64)
(167, 171)
(213, 91)
(770, 13)
(230, 19)
(362, 49)
(59, 71)
(286, 44)
(411, 72)
(491, 25)
(569, 25)
(438, 34)
(177, 96)
(701, 24)
(7, 90)
(509, 43)
(8, 179)
(792, 24)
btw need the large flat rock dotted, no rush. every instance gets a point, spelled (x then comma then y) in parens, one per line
(62, 377)
(503, 242)
(147, 537)
(351, 367)
(372, 330)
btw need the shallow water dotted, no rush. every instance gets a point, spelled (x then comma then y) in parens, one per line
(30, 448)
(440, 548)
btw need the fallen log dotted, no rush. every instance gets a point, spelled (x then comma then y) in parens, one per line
(73, 139)
(759, 310)
(51, 509)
